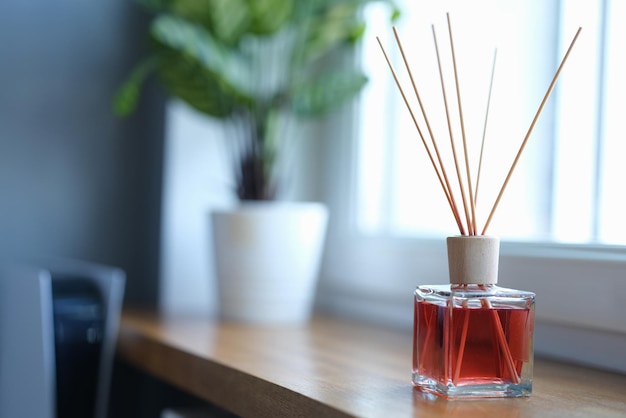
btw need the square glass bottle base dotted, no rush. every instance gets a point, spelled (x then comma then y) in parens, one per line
(473, 341)
(472, 391)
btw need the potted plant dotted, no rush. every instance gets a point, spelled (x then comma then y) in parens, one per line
(257, 65)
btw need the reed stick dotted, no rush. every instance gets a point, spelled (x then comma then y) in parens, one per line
(530, 129)
(502, 343)
(421, 105)
(482, 143)
(450, 132)
(446, 191)
(459, 357)
(504, 347)
(427, 339)
(472, 224)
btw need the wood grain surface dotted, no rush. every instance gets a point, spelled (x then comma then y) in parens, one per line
(334, 367)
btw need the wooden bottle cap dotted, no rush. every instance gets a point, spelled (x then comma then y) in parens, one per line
(473, 259)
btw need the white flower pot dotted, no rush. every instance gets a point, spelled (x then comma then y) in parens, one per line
(267, 257)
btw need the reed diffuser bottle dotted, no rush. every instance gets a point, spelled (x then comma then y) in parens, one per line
(473, 338)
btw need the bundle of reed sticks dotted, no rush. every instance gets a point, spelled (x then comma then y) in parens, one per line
(467, 187)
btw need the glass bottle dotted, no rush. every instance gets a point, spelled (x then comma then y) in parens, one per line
(472, 338)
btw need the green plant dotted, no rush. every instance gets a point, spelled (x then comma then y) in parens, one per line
(254, 64)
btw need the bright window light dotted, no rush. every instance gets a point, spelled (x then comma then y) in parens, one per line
(566, 187)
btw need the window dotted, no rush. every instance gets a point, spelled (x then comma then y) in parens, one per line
(564, 188)
(561, 216)
(589, 144)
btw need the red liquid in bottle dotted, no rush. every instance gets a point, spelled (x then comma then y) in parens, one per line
(472, 346)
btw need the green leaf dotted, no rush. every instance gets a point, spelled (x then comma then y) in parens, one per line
(187, 79)
(269, 16)
(127, 96)
(230, 20)
(227, 20)
(197, 68)
(326, 92)
(327, 30)
(330, 24)
(193, 40)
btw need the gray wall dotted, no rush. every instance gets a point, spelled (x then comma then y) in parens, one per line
(74, 180)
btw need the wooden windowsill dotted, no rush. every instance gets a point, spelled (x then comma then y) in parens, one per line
(334, 367)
